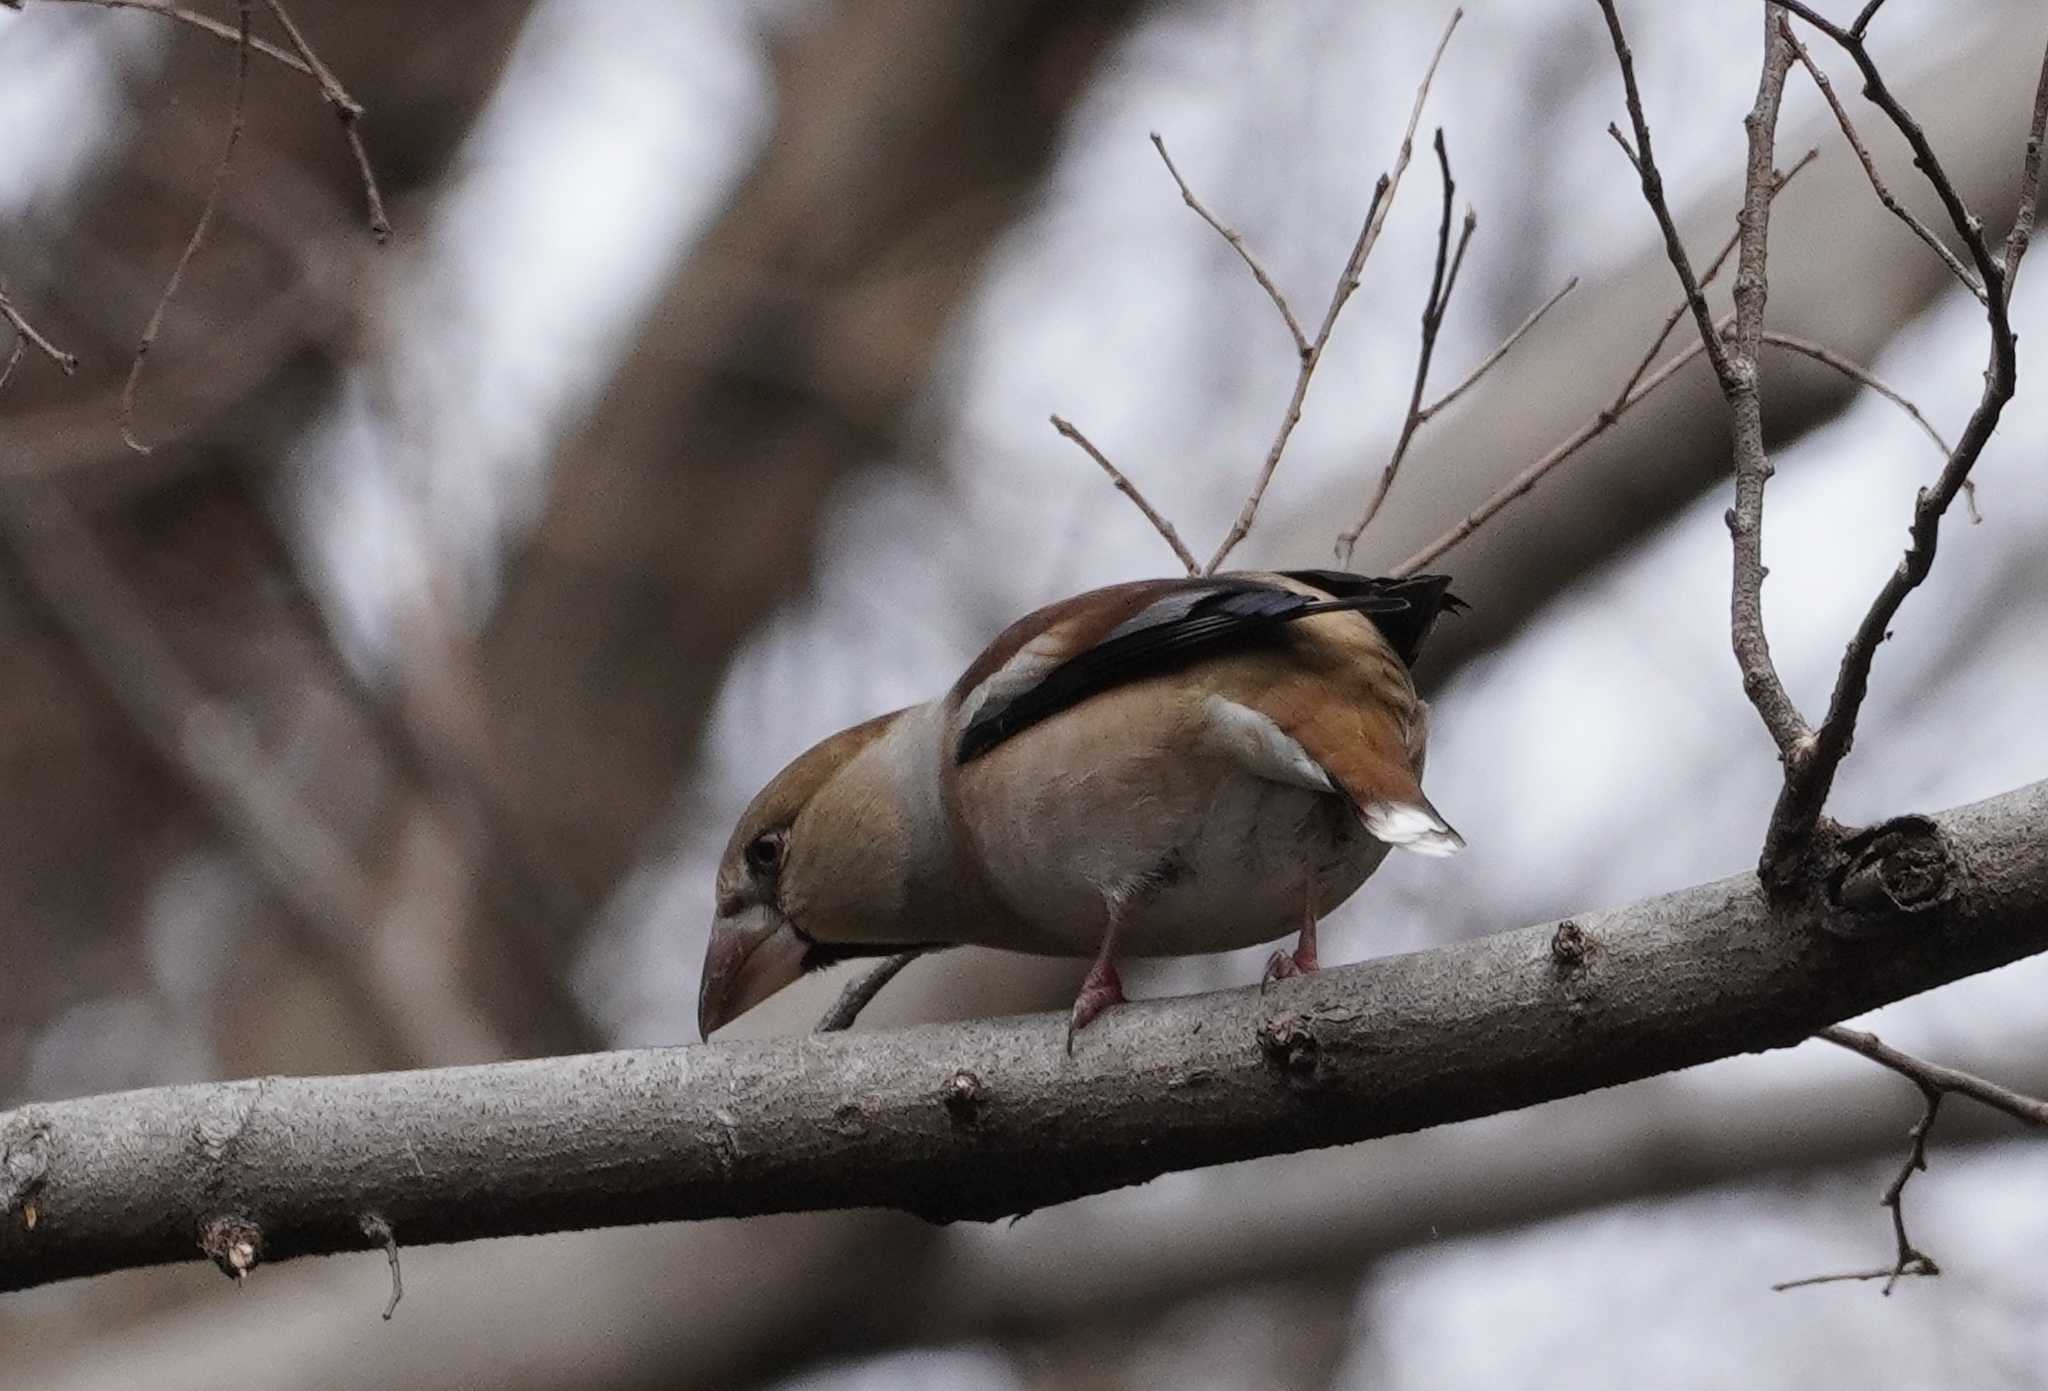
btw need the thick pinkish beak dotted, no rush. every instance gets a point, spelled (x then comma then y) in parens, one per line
(753, 953)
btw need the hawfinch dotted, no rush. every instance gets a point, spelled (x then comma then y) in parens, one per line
(1152, 769)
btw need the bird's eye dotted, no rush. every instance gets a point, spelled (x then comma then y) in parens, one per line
(764, 852)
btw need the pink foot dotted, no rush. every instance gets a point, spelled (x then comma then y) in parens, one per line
(1280, 965)
(1099, 991)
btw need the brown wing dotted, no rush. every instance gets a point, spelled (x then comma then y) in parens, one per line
(1345, 697)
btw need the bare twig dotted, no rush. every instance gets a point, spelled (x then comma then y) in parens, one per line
(299, 58)
(2022, 234)
(1230, 235)
(1441, 283)
(1645, 164)
(1799, 806)
(206, 24)
(1910, 1259)
(1130, 490)
(1735, 366)
(1924, 1074)
(14, 355)
(1633, 390)
(1678, 310)
(1934, 1081)
(1967, 226)
(346, 108)
(379, 1231)
(1347, 282)
(1877, 183)
(1859, 374)
(858, 995)
(26, 332)
(199, 230)
(1529, 477)
(1486, 364)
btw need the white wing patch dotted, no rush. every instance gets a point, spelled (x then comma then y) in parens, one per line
(1263, 748)
(1033, 662)
(1412, 827)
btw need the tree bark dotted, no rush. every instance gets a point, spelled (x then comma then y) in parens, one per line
(990, 1118)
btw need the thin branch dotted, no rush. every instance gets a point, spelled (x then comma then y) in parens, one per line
(1884, 194)
(1859, 374)
(1678, 310)
(2022, 233)
(300, 58)
(1187, 195)
(1910, 1259)
(26, 332)
(1808, 781)
(198, 237)
(1967, 225)
(1529, 477)
(1926, 1075)
(14, 356)
(1347, 282)
(956, 1121)
(1863, 18)
(1130, 490)
(347, 109)
(1486, 364)
(1934, 1081)
(1736, 366)
(205, 23)
(861, 992)
(1633, 390)
(1645, 164)
(1441, 283)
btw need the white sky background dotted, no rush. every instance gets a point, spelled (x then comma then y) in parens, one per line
(1606, 754)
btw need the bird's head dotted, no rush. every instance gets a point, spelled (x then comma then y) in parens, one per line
(814, 873)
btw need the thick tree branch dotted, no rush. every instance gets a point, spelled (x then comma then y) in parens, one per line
(993, 1117)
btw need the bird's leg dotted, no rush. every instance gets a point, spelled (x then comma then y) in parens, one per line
(1102, 987)
(1280, 965)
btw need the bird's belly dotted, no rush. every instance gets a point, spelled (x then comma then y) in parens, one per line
(1200, 855)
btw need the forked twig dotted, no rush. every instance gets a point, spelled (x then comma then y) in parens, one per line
(1809, 780)
(1884, 194)
(1347, 282)
(299, 58)
(1735, 366)
(346, 108)
(1934, 1081)
(27, 334)
(1633, 390)
(1441, 283)
(1678, 310)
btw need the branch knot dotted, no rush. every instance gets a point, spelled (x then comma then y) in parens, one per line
(1898, 869)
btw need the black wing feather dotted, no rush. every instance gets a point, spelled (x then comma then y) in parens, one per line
(1220, 614)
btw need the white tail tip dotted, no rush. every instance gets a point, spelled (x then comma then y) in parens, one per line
(1412, 827)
